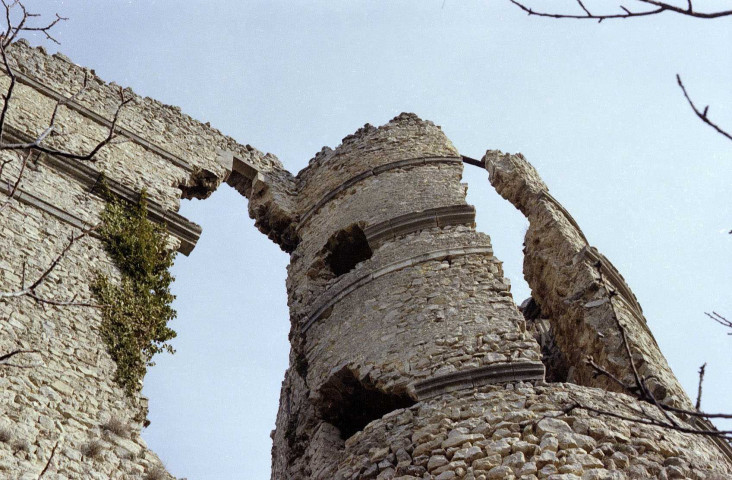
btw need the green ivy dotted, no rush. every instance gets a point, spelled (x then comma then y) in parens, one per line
(138, 308)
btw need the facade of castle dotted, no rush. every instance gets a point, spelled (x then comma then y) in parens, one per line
(410, 359)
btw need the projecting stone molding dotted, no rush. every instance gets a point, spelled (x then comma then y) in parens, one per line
(412, 222)
(408, 163)
(90, 179)
(91, 115)
(334, 297)
(477, 377)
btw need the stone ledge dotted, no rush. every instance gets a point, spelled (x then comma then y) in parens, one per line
(187, 235)
(412, 222)
(477, 377)
(30, 199)
(392, 267)
(86, 112)
(411, 162)
(178, 226)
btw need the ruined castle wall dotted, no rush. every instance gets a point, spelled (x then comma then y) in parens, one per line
(162, 128)
(580, 290)
(429, 305)
(62, 392)
(158, 149)
(415, 362)
(354, 206)
(519, 430)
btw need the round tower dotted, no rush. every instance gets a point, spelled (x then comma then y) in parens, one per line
(409, 357)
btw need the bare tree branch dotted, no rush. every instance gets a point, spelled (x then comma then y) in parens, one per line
(648, 419)
(31, 292)
(720, 320)
(12, 30)
(701, 114)
(48, 463)
(699, 390)
(10, 35)
(661, 7)
(4, 359)
(16, 185)
(639, 389)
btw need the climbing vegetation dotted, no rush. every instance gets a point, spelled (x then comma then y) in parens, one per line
(138, 308)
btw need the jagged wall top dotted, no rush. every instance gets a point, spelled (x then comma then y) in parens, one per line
(165, 126)
(406, 132)
(405, 137)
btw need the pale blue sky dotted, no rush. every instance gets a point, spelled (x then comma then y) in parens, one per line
(594, 107)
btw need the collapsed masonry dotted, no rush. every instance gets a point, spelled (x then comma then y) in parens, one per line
(409, 356)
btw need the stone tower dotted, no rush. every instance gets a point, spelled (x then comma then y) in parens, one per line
(409, 357)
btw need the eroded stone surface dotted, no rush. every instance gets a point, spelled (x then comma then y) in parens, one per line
(426, 305)
(578, 289)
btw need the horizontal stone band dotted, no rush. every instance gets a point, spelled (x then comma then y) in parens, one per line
(412, 162)
(475, 377)
(392, 267)
(86, 112)
(178, 226)
(412, 222)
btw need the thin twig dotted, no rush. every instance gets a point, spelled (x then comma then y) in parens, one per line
(640, 390)
(14, 353)
(36, 144)
(701, 114)
(661, 7)
(647, 419)
(31, 290)
(11, 33)
(701, 380)
(48, 463)
(720, 320)
(5, 363)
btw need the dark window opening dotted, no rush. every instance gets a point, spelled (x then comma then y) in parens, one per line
(346, 249)
(201, 185)
(555, 363)
(350, 404)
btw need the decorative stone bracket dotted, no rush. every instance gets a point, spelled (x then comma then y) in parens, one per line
(271, 197)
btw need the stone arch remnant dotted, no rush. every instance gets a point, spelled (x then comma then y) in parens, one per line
(409, 356)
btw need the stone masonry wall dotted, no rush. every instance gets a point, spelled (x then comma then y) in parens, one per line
(412, 361)
(409, 357)
(63, 392)
(579, 289)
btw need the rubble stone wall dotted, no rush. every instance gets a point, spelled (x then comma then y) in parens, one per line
(62, 391)
(415, 363)
(580, 290)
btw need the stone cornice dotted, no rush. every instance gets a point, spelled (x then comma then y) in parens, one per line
(92, 115)
(408, 163)
(476, 377)
(89, 178)
(334, 297)
(414, 221)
